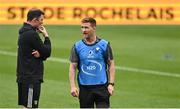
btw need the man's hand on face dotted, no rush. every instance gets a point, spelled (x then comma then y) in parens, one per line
(42, 30)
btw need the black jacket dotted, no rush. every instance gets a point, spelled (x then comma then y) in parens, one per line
(29, 68)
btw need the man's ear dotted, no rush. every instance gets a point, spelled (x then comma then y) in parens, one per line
(94, 27)
(34, 19)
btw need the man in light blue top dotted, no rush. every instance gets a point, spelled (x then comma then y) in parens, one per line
(93, 58)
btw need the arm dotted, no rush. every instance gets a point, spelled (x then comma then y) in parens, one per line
(111, 70)
(72, 76)
(44, 49)
(72, 72)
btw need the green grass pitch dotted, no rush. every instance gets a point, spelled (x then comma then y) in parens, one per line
(148, 48)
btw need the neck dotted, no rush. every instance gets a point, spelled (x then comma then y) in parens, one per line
(90, 40)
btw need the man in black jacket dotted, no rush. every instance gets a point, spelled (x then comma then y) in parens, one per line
(31, 54)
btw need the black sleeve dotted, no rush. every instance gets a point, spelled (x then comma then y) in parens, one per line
(43, 48)
(109, 53)
(74, 56)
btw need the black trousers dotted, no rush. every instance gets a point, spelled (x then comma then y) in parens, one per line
(94, 96)
(28, 94)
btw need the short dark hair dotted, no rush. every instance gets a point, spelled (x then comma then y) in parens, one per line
(34, 13)
(90, 20)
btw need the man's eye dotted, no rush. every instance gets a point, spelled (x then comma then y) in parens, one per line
(84, 27)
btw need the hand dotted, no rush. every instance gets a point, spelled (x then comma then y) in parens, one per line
(110, 89)
(74, 92)
(42, 30)
(36, 53)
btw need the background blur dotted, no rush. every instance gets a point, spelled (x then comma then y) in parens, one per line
(144, 36)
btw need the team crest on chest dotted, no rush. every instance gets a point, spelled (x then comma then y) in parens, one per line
(90, 54)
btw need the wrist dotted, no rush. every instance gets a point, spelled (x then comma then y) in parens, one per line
(111, 83)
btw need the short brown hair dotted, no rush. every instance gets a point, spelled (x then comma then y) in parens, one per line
(90, 20)
(34, 13)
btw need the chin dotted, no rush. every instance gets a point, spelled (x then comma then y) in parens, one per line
(86, 36)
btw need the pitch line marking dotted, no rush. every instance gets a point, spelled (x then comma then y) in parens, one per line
(146, 71)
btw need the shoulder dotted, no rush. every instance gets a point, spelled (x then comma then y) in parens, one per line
(103, 43)
(33, 32)
(78, 44)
